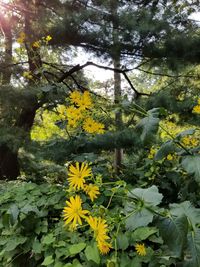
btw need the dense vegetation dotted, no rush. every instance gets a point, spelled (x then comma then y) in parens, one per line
(99, 173)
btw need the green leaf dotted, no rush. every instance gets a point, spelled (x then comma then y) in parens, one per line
(192, 165)
(14, 212)
(139, 218)
(47, 261)
(143, 233)
(148, 126)
(14, 242)
(150, 195)
(174, 233)
(186, 208)
(186, 132)
(48, 239)
(76, 248)
(165, 149)
(92, 253)
(37, 247)
(28, 208)
(122, 241)
(46, 88)
(194, 246)
(58, 264)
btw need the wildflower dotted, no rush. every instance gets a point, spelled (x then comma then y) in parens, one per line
(99, 226)
(152, 153)
(189, 141)
(73, 212)
(21, 38)
(104, 247)
(77, 175)
(91, 126)
(36, 44)
(85, 101)
(48, 38)
(92, 191)
(74, 113)
(140, 249)
(27, 74)
(170, 157)
(196, 109)
(75, 97)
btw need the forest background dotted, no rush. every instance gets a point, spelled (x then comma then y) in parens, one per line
(99, 172)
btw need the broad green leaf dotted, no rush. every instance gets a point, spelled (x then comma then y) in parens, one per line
(150, 196)
(139, 218)
(28, 208)
(192, 165)
(76, 248)
(165, 149)
(122, 241)
(58, 264)
(37, 247)
(48, 239)
(14, 242)
(76, 263)
(92, 253)
(186, 132)
(47, 261)
(174, 233)
(186, 208)
(46, 88)
(14, 212)
(194, 247)
(148, 126)
(143, 233)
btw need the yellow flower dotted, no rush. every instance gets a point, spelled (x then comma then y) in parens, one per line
(75, 97)
(152, 153)
(36, 44)
(189, 141)
(140, 249)
(48, 38)
(73, 116)
(77, 175)
(92, 191)
(73, 212)
(91, 126)
(104, 247)
(74, 113)
(21, 38)
(196, 109)
(83, 101)
(170, 157)
(27, 74)
(99, 226)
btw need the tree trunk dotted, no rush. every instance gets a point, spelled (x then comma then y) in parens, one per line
(9, 165)
(118, 114)
(115, 53)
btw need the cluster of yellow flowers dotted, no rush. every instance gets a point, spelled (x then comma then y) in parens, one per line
(196, 109)
(79, 113)
(45, 40)
(152, 152)
(74, 213)
(190, 141)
